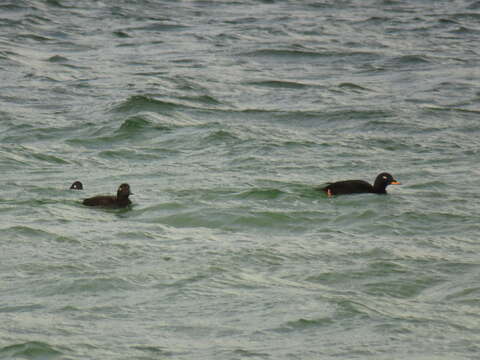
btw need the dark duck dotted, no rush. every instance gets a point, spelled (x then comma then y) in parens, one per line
(77, 185)
(360, 187)
(111, 201)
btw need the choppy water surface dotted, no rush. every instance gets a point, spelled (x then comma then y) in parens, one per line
(224, 117)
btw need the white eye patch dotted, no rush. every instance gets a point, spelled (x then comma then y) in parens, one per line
(385, 177)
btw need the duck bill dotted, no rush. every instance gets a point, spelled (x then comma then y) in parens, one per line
(395, 182)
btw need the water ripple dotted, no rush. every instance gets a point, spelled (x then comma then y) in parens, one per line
(224, 117)
(32, 350)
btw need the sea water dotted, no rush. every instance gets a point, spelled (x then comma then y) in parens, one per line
(225, 117)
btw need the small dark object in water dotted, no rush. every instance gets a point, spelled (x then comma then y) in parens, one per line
(111, 201)
(360, 186)
(77, 185)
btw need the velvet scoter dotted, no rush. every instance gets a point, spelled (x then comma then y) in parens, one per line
(359, 186)
(77, 185)
(111, 201)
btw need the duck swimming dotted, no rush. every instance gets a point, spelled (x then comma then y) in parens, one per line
(360, 186)
(77, 185)
(111, 201)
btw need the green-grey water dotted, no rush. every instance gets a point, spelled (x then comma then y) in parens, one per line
(224, 117)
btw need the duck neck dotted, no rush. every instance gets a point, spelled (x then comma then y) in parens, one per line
(123, 198)
(379, 187)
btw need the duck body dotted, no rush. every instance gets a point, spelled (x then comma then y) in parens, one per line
(360, 186)
(111, 201)
(349, 187)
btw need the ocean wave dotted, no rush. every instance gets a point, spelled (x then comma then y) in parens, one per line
(305, 324)
(260, 194)
(32, 350)
(135, 124)
(158, 26)
(353, 87)
(282, 84)
(407, 61)
(23, 232)
(28, 156)
(220, 136)
(147, 103)
(94, 284)
(57, 59)
(132, 129)
(224, 116)
(137, 103)
(402, 288)
(30, 37)
(304, 53)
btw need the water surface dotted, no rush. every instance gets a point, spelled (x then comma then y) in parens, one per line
(224, 117)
